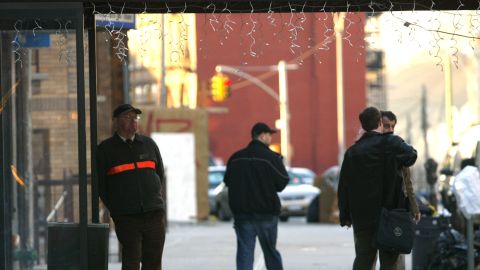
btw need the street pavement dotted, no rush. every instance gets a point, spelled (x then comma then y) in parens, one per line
(211, 246)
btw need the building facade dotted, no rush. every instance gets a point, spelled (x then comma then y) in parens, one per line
(262, 40)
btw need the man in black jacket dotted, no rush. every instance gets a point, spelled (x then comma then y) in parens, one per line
(389, 120)
(363, 188)
(254, 175)
(131, 185)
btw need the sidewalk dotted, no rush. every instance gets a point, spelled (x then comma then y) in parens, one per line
(211, 246)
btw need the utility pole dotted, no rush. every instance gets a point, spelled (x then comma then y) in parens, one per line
(339, 26)
(409, 136)
(424, 117)
(447, 72)
(284, 114)
(163, 87)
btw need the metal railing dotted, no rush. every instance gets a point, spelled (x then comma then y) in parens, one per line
(58, 204)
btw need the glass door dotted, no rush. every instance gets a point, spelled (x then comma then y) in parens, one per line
(41, 150)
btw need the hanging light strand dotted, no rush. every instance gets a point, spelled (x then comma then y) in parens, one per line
(347, 34)
(16, 45)
(228, 23)
(214, 19)
(270, 18)
(328, 34)
(252, 32)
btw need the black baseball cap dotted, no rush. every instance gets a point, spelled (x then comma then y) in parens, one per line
(260, 127)
(125, 108)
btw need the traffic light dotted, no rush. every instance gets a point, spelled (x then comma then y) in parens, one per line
(220, 87)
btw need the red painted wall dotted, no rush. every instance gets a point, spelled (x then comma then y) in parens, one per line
(312, 88)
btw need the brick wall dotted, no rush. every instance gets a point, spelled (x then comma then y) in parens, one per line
(312, 88)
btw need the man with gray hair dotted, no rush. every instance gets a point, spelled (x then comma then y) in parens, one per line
(131, 181)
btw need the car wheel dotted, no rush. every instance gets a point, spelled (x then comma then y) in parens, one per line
(313, 211)
(222, 215)
(284, 218)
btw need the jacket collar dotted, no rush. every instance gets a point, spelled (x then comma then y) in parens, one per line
(257, 142)
(369, 134)
(137, 138)
(125, 139)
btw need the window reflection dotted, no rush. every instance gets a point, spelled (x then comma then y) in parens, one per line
(41, 145)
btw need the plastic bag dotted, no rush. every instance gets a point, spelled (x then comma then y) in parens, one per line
(466, 188)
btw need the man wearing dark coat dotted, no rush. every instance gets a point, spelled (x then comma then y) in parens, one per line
(254, 175)
(131, 180)
(365, 186)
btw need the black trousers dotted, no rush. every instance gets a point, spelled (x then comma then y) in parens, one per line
(142, 237)
(366, 253)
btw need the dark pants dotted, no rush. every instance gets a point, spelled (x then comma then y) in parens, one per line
(366, 253)
(142, 237)
(247, 228)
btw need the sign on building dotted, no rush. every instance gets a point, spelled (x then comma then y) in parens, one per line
(29, 40)
(117, 21)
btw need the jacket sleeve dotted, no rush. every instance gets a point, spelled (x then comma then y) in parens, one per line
(342, 195)
(405, 154)
(160, 170)
(228, 172)
(407, 180)
(282, 178)
(102, 175)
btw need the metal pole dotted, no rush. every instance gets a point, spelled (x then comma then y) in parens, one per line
(339, 26)
(424, 120)
(6, 83)
(284, 114)
(92, 73)
(82, 156)
(235, 71)
(21, 135)
(126, 81)
(470, 250)
(163, 97)
(448, 98)
(31, 184)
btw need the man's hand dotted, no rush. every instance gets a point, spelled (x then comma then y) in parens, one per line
(417, 217)
(346, 222)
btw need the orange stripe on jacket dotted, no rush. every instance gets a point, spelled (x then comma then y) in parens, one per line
(131, 166)
(147, 164)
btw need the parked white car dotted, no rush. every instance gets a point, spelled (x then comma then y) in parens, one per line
(298, 195)
(307, 175)
(215, 178)
(296, 198)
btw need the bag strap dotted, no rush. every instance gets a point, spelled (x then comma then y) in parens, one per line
(400, 200)
(384, 170)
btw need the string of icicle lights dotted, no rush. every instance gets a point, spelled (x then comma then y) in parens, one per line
(447, 28)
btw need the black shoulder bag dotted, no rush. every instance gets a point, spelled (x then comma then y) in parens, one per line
(396, 229)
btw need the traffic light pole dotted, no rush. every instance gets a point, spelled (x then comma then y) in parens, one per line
(281, 98)
(339, 19)
(284, 113)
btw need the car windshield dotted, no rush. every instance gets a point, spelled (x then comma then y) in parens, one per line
(215, 178)
(306, 177)
(295, 179)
